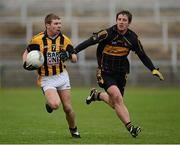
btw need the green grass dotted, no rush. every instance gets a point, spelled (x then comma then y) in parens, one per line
(23, 118)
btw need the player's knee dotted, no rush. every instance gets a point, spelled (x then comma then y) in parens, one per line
(54, 105)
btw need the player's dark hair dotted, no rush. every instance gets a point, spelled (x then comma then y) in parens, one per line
(50, 17)
(125, 12)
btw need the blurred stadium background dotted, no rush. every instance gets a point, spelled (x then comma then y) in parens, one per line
(157, 22)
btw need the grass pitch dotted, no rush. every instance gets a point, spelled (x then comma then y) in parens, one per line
(24, 120)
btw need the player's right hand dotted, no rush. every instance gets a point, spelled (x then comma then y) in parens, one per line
(157, 73)
(29, 67)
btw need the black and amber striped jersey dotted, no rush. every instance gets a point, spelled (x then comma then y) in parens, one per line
(51, 48)
(113, 49)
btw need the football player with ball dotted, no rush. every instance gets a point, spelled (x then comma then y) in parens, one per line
(47, 53)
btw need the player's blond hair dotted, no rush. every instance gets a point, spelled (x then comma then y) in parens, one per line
(50, 17)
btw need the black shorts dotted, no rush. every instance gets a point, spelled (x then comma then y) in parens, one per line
(118, 79)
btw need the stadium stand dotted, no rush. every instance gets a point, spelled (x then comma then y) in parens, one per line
(157, 22)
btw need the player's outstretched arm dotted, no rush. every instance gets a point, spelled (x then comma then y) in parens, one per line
(94, 39)
(147, 61)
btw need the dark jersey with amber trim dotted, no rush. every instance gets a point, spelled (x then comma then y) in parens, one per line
(113, 49)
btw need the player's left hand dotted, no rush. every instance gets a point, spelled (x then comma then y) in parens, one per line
(64, 55)
(157, 73)
(100, 80)
(29, 67)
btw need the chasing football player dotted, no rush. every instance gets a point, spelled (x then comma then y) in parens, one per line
(114, 45)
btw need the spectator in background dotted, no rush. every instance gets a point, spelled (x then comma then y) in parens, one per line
(52, 76)
(114, 45)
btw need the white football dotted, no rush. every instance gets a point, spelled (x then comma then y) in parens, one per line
(35, 58)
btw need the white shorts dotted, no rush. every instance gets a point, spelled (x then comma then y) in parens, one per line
(59, 82)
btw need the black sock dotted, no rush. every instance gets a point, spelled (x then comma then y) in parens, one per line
(73, 129)
(128, 126)
(98, 96)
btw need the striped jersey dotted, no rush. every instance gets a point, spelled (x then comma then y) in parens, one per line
(51, 48)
